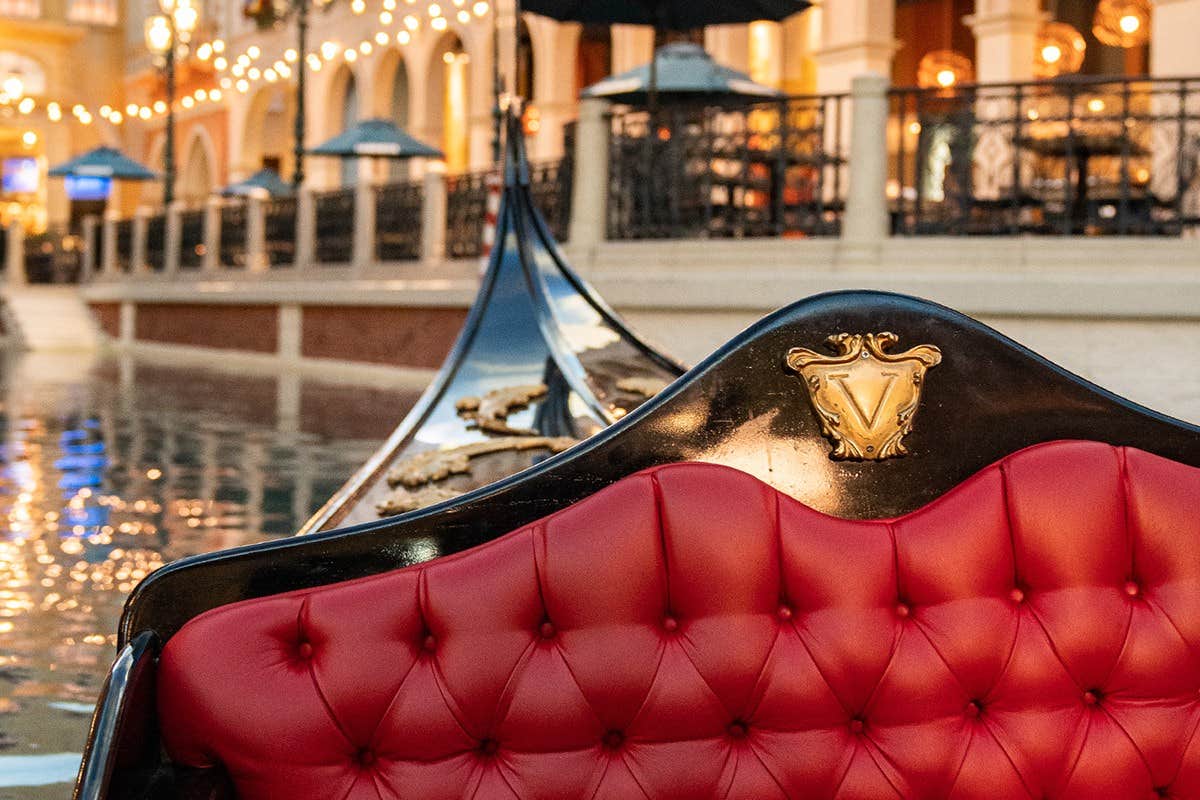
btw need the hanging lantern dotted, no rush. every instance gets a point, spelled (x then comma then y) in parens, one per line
(1122, 23)
(1058, 51)
(943, 69)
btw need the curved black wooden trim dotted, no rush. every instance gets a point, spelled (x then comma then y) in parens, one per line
(989, 397)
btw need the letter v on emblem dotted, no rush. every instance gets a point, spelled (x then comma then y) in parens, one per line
(865, 397)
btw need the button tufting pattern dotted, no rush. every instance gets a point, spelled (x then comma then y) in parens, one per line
(965, 688)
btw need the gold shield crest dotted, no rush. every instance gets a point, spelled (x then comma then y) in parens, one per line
(865, 397)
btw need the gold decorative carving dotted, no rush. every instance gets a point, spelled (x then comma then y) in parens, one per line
(865, 397)
(490, 413)
(412, 479)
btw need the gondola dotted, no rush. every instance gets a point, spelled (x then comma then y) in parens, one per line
(542, 362)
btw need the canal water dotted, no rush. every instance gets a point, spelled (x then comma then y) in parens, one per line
(108, 470)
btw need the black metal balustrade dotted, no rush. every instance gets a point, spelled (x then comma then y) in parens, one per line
(191, 239)
(1079, 156)
(766, 169)
(54, 256)
(279, 231)
(466, 212)
(551, 182)
(233, 234)
(398, 222)
(156, 243)
(124, 236)
(334, 226)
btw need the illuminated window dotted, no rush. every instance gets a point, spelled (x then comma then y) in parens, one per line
(28, 9)
(92, 12)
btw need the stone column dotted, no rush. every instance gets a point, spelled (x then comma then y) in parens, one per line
(14, 256)
(866, 222)
(212, 235)
(306, 229)
(631, 46)
(857, 38)
(109, 256)
(137, 250)
(364, 225)
(256, 235)
(589, 187)
(433, 215)
(172, 239)
(1005, 38)
(1174, 52)
(88, 270)
(1174, 49)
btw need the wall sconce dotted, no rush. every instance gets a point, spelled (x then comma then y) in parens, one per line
(1122, 23)
(944, 69)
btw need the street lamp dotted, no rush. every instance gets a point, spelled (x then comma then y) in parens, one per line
(164, 33)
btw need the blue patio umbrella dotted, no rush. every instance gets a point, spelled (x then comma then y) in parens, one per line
(103, 162)
(677, 15)
(265, 182)
(375, 138)
(685, 73)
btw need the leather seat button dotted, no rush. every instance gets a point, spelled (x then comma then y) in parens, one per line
(785, 612)
(1091, 698)
(974, 709)
(903, 610)
(430, 643)
(737, 729)
(305, 650)
(857, 725)
(489, 747)
(365, 757)
(1017, 595)
(613, 739)
(548, 630)
(670, 624)
(1132, 589)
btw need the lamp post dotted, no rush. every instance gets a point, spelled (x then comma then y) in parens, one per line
(164, 33)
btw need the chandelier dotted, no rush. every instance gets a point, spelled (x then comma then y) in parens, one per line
(1059, 50)
(1122, 23)
(943, 69)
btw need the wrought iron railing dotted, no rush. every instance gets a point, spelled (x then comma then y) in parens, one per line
(123, 233)
(54, 256)
(191, 239)
(334, 226)
(398, 221)
(233, 234)
(550, 183)
(766, 169)
(466, 210)
(279, 231)
(1084, 156)
(156, 242)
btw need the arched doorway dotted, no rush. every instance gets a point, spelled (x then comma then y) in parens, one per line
(448, 103)
(267, 142)
(593, 61)
(392, 100)
(344, 103)
(196, 180)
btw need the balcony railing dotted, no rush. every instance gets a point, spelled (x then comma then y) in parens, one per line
(156, 242)
(466, 209)
(335, 226)
(767, 169)
(279, 231)
(1074, 157)
(191, 239)
(124, 237)
(398, 222)
(233, 235)
(551, 182)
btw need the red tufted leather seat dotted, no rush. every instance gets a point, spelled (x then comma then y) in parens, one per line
(690, 633)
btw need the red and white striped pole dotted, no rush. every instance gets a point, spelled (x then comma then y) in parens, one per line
(495, 187)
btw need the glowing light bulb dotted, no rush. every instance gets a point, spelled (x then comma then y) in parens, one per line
(1051, 53)
(290, 55)
(29, 138)
(105, 110)
(411, 22)
(144, 111)
(243, 85)
(328, 50)
(385, 18)
(218, 45)
(1095, 105)
(464, 17)
(219, 63)
(480, 8)
(403, 37)
(201, 95)
(351, 55)
(435, 10)
(54, 112)
(254, 73)
(1130, 23)
(215, 95)
(253, 51)
(438, 23)
(358, 6)
(116, 118)
(381, 38)
(130, 109)
(946, 77)
(204, 52)
(270, 75)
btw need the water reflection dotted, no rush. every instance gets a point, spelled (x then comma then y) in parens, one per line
(108, 471)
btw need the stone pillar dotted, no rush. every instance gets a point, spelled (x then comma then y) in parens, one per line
(589, 187)
(631, 46)
(290, 332)
(866, 223)
(1173, 38)
(137, 250)
(364, 225)
(256, 235)
(857, 38)
(306, 229)
(1005, 39)
(14, 256)
(172, 239)
(88, 269)
(433, 215)
(108, 258)
(212, 235)
(127, 323)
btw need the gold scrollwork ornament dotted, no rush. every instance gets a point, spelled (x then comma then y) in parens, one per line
(865, 397)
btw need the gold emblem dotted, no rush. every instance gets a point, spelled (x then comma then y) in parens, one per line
(866, 398)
